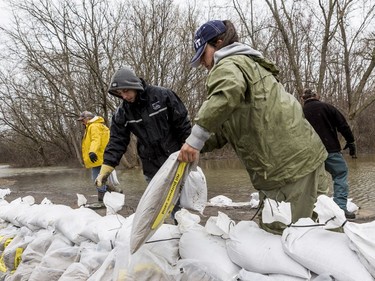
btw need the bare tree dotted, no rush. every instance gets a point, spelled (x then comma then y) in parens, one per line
(326, 45)
(358, 56)
(60, 56)
(67, 51)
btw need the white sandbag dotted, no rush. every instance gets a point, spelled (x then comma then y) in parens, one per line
(11, 256)
(46, 215)
(6, 235)
(81, 200)
(362, 236)
(186, 220)
(194, 270)
(122, 257)
(322, 277)
(28, 199)
(220, 225)
(155, 259)
(123, 235)
(76, 271)
(276, 211)
(146, 265)
(3, 224)
(223, 201)
(220, 200)
(194, 192)
(33, 255)
(158, 200)
(91, 257)
(114, 201)
(165, 243)
(104, 228)
(4, 192)
(254, 200)
(150, 267)
(256, 250)
(106, 269)
(57, 259)
(245, 275)
(71, 223)
(25, 214)
(46, 201)
(210, 251)
(323, 252)
(351, 206)
(122, 250)
(329, 213)
(9, 212)
(113, 179)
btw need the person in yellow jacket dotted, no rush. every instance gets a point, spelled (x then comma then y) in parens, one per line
(94, 143)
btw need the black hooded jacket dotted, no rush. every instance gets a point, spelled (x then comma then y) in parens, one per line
(158, 119)
(327, 120)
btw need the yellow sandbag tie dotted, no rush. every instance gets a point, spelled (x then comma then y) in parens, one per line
(3, 267)
(18, 258)
(7, 242)
(167, 206)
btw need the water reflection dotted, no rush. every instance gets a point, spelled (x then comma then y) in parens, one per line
(226, 177)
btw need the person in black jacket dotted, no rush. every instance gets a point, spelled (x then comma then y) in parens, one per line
(327, 121)
(155, 115)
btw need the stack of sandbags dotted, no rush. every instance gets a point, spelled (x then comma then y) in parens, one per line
(78, 244)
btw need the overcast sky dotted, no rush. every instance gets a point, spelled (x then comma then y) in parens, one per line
(4, 12)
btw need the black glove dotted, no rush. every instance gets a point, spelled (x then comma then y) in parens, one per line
(93, 157)
(352, 149)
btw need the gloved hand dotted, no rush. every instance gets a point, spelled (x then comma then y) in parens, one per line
(93, 157)
(104, 173)
(352, 149)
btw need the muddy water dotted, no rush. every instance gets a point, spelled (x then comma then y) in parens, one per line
(228, 177)
(224, 177)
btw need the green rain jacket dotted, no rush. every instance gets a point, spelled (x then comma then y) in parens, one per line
(248, 108)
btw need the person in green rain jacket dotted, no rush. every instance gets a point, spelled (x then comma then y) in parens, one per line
(249, 108)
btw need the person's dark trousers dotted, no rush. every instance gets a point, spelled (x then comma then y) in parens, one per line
(101, 190)
(335, 164)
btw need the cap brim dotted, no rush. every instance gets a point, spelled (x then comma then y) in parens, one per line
(80, 118)
(195, 61)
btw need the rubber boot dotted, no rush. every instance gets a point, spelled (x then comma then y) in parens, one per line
(99, 204)
(100, 196)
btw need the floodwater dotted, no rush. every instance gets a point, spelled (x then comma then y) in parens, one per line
(224, 177)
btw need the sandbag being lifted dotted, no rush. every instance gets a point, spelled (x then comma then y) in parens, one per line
(158, 200)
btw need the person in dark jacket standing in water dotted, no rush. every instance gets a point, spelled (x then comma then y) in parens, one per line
(248, 108)
(327, 120)
(155, 115)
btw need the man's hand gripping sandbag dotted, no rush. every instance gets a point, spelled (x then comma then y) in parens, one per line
(104, 173)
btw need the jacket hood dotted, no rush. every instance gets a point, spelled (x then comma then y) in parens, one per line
(96, 119)
(311, 100)
(141, 94)
(235, 49)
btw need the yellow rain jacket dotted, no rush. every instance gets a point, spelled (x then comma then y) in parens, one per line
(95, 140)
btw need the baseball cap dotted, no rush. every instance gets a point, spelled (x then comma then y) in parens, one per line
(85, 114)
(205, 33)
